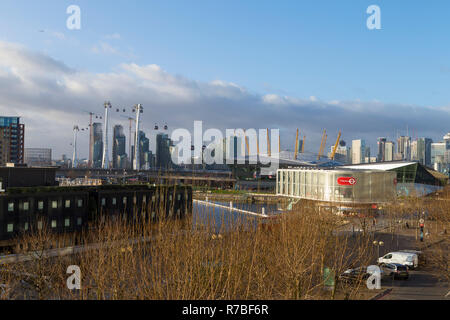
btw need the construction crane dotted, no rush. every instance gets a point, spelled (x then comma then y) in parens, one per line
(333, 154)
(296, 147)
(322, 145)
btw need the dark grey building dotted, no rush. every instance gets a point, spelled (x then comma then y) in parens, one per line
(98, 145)
(119, 147)
(163, 158)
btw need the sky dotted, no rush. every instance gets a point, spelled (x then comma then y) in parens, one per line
(312, 65)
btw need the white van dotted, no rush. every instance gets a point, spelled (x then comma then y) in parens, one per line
(411, 260)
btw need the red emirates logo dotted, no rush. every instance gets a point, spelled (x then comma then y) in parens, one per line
(346, 181)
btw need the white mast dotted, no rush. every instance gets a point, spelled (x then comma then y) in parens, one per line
(74, 157)
(137, 155)
(105, 159)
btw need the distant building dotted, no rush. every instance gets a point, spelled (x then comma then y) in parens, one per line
(381, 157)
(38, 157)
(440, 155)
(389, 151)
(98, 145)
(358, 151)
(12, 140)
(119, 157)
(163, 159)
(424, 151)
(404, 148)
(146, 155)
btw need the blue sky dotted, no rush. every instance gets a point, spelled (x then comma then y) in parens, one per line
(298, 49)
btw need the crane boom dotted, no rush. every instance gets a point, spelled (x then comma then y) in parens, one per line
(336, 146)
(296, 146)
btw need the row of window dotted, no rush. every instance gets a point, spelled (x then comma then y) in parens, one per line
(25, 205)
(40, 224)
(144, 199)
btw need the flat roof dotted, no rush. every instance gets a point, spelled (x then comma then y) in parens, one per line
(384, 166)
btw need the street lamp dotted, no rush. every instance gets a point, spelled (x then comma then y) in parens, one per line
(378, 244)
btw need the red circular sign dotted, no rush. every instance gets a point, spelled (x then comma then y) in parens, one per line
(346, 181)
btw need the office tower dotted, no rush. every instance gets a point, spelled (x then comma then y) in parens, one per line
(98, 145)
(343, 153)
(424, 151)
(414, 151)
(38, 157)
(144, 151)
(389, 151)
(404, 148)
(119, 146)
(358, 151)
(381, 157)
(163, 143)
(12, 140)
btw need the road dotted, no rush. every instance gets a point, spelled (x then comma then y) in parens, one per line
(421, 285)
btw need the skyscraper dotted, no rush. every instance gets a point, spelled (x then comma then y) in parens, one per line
(424, 151)
(119, 147)
(163, 159)
(381, 157)
(12, 140)
(404, 148)
(98, 145)
(389, 151)
(358, 151)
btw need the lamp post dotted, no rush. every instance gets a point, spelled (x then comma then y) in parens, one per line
(378, 244)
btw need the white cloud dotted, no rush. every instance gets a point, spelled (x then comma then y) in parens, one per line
(51, 98)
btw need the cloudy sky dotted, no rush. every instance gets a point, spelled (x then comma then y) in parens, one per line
(232, 64)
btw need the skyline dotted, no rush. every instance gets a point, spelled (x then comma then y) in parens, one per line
(303, 70)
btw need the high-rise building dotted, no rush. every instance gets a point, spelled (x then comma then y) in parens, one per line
(119, 146)
(424, 151)
(98, 145)
(358, 151)
(440, 155)
(12, 140)
(414, 153)
(38, 157)
(381, 157)
(389, 151)
(404, 148)
(163, 159)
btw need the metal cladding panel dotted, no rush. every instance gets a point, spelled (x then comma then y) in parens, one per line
(346, 186)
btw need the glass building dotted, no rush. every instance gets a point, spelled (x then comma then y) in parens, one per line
(337, 185)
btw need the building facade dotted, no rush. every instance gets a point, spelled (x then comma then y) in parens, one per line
(337, 185)
(98, 145)
(358, 151)
(119, 156)
(38, 157)
(12, 140)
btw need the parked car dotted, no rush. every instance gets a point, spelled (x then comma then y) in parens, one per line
(395, 270)
(411, 260)
(359, 274)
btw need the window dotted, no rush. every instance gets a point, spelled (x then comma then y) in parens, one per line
(124, 200)
(67, 222)
(26, 206)
(114, 201)
(54, 204)
(10, 228)
(103, 202)
(40, 205)
(26, 226)
(153, 199)
(179, 197)
(79, 221)
(54, 224)
(67, 204)
(11, 207)
(144, 199)
(80, 203)
(39, 225)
